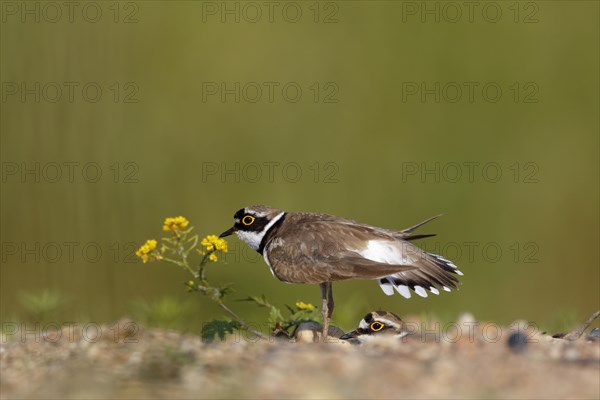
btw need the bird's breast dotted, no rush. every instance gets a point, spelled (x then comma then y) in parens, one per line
(293, 263)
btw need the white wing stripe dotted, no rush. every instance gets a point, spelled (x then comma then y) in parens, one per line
(385, 252)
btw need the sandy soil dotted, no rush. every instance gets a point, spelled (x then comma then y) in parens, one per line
(147, 363)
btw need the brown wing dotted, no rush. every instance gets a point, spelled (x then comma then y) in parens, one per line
(313, 248)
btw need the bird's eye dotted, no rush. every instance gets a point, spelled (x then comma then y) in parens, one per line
(376, 326)
(248, 220)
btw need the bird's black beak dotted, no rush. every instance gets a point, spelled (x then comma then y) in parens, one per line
(349, 335)
(228, 232)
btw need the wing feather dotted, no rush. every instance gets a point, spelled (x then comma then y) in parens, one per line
(314, 248)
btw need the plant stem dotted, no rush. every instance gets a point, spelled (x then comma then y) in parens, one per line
(207, 290)
(576, 333)
(239, 319)
(182, 264)
(205, 287)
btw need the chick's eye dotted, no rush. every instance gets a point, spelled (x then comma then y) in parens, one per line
(376, 326)
(248, 220)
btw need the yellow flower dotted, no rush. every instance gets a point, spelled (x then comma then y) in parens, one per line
(300, 305)
(212, 242)
(146, 250)
(213, 257)
(175, 224)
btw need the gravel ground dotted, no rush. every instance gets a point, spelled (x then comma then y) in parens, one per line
(151, 363)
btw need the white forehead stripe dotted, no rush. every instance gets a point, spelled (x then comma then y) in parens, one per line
(387, 322)
(364, 325)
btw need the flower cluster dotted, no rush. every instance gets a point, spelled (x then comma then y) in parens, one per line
(175, 224)
(302, 306)
(212, 243)
(147, 252)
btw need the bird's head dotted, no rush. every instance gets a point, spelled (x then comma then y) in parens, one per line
(252, 223)
(374, 324)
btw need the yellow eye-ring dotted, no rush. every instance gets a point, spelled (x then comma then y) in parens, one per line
(376, 326)
(248, 220)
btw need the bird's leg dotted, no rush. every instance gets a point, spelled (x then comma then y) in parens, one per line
(327, 311)
(325, 290)
(330, 300)
(330, 305)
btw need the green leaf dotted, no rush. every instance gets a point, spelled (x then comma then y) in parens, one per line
(194, 241)
(290, 309)
(226, 288)
(275, 315)
(218, 328)
(261, 301)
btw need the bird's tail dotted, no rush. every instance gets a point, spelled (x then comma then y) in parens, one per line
(432, 272)
(406, 234)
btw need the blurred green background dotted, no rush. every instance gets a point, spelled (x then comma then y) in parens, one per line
(358, 132)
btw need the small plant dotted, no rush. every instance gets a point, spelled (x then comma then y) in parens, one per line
(303, 312)
(41, 307)
(164, 313)
(181, 246)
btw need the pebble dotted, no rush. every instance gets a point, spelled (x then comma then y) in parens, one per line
(310, 332)
(517, 342)
(594, 334)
